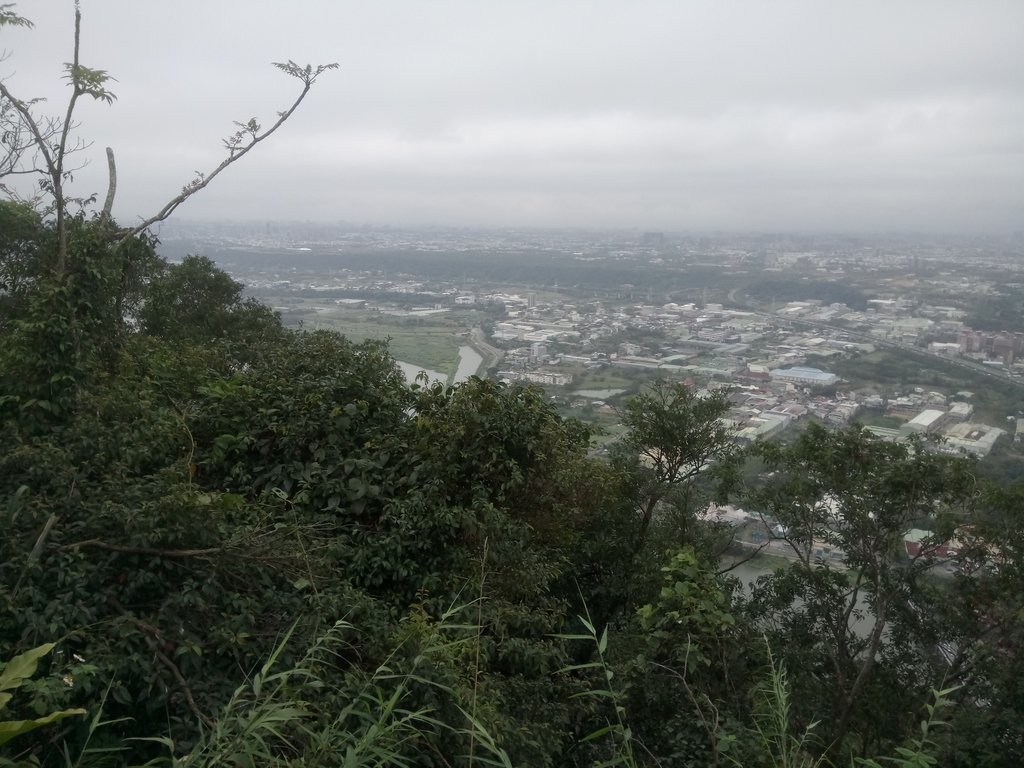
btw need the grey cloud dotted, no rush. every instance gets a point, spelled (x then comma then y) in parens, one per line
(808, 115)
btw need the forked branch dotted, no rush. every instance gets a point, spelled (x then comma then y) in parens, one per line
(51, 138)
(84, 81)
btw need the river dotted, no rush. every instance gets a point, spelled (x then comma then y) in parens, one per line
(469, 364)
(411, 371)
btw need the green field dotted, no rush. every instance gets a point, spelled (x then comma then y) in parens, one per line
(611, 378)
(887, 371)
(430, 341)
(876, 419)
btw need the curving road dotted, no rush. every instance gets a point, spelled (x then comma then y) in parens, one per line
(491, 355)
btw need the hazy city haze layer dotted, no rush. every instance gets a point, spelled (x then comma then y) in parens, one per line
(672, 115)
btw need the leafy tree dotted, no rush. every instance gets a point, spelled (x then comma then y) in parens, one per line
(85, 280)
(197, 303)
(856, 496)
(59, 334)
(192, 497)
(517, 495)
(21, 236)
(984, 606)
(694, 666)
(674, 435)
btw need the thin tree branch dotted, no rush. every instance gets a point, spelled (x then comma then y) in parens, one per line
(738, 563)
(33, 127)
(108, 204)
(25, 172)
(149, 551)
(57, 174)
(867, 667)
(236, 153)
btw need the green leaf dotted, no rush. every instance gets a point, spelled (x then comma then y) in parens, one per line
(597, 734)
(22, 667)
(11, 728)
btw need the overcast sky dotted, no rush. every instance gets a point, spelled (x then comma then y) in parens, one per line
(850, 115)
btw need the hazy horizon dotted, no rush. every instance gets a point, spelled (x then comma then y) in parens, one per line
(795, 116)
(186, 222)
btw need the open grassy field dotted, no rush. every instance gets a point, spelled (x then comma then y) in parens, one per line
(428, 340)
(611, 378)
(888, 371)
(876, 419)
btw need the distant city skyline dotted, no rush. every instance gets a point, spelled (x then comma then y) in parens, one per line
(182, 225)
(791, 116)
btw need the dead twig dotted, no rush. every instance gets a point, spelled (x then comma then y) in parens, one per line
(149, 551)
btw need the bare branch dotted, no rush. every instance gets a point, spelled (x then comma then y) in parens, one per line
(57, 172)
(39, 135)
(24, 172)
(148, 551)
(50, 137)
(111, 185)
(51, 140)
(237, 144)
(738, 563)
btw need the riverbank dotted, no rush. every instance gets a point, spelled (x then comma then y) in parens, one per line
(470, 363)
(491, 355)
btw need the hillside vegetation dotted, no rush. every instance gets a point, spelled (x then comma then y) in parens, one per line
(224, 542)
(257, 546)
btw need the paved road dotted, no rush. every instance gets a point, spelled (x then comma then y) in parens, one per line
(490, 354)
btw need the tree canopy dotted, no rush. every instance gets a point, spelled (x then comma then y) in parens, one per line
(229, 543)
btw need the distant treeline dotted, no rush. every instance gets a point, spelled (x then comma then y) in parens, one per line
(797, 289)
(602, 278)
(1002, 312)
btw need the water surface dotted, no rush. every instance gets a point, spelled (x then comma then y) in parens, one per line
(469, 364)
